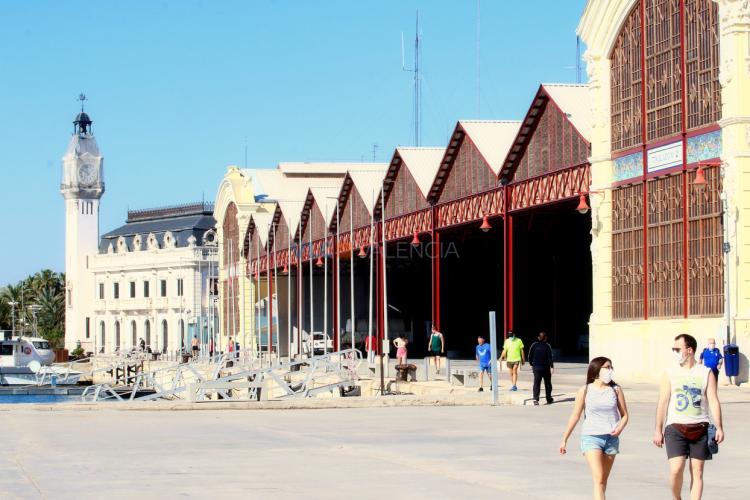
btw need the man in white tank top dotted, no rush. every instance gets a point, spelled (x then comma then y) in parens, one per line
(686, 394)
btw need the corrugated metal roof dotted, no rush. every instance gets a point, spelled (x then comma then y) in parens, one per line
(320, 194)
(423, 164)
(262, 222)
(369, 182)
(324, 168)
(492, 138)
(573, 100)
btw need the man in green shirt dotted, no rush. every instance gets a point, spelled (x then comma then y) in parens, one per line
(514, 356)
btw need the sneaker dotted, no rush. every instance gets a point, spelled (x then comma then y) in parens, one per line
(550, 401)
(514, 388)
(481, 389)
(536, 402)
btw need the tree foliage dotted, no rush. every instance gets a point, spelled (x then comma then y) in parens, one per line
(45, 289)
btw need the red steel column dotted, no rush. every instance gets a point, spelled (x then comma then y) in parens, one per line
(299, 299)
(269, 278)
(685, 186)
(644, 117)
(435, 261)
(335, 270)
(506, 263)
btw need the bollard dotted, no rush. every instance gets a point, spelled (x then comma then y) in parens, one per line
(447, 365)
(426, 368)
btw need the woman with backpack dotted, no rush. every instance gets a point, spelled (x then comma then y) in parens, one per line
(602, 404)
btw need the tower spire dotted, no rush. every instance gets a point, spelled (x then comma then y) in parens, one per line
(82, 123)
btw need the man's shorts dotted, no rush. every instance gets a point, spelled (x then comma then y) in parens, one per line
(485, 367)
(606, 443)
(512, 364)
(678, 446)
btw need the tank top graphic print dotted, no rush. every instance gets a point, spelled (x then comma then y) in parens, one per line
(687, 402)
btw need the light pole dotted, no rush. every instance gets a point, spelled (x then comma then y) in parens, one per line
(13, 305)
(35, 308)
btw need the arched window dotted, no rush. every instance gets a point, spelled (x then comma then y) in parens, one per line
(134, 333)
(117, 335)
(147, 331)
(102, 336)
(164, 335)
(665, 105)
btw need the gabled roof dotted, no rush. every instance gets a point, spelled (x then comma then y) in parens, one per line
(422, 163)
(260, 222)
(367, 182)
(492, 139)
(320, 194)
(572, 100)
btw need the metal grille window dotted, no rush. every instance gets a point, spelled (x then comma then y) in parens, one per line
(665, 238)
(702, 63)
(163, 285)
(179, 287)
(626, 77)
(705, 257)
(88, 327)
(132, 289)
(663, 73)
(627, 252)
(116, 290)
(101, 291)
(146, 289)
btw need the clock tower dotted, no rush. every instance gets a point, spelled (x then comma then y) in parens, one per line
(82, 186)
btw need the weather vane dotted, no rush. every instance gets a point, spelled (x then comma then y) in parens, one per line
(82, 98)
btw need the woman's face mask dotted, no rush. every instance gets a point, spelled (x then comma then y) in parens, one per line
(605, 375)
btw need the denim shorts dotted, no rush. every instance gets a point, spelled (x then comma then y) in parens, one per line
(607, 443)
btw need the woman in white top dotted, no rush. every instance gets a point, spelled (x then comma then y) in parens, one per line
(602, 403)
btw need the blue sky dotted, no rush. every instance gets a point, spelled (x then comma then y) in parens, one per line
(176, 88)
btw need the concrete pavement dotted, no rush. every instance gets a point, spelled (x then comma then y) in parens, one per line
(403, 452)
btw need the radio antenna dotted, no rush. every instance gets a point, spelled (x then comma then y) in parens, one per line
(417, 82)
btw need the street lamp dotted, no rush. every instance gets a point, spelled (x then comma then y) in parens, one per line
(35, 308)
(13, 305)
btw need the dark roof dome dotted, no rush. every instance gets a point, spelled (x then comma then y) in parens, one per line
(82, 123)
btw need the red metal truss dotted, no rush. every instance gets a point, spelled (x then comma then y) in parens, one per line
(551, 187)
(548, 188)
(407, 224)
(469, 208)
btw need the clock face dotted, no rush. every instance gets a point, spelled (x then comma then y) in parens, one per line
(87, 174)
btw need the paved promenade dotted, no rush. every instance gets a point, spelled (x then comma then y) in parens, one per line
(401, 452)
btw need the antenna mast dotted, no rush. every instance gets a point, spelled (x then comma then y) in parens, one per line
(417, 96)
(479, 26)
(417, 83)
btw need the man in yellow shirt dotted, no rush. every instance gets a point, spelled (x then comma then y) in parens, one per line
(514, 356)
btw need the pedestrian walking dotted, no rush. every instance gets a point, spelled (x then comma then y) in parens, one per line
(602, 403)
(371, 346)
(400, 342)
(195, 346)
(686, 393)
(211, 346)
(142, 344)
(436, 346)
(540, 359)
(484, 358)
(514, 357)
(711, 358)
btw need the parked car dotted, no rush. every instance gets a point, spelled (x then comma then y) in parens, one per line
(321, 343)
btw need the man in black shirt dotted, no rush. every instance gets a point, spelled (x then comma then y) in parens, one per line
(540, 359)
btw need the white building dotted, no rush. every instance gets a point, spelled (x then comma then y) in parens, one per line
(154, 278)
